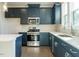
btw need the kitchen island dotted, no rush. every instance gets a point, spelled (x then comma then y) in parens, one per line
(9, 43)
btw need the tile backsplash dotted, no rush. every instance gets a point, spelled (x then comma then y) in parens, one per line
(43, 28)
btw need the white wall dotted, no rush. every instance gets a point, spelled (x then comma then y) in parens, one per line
(1, 18)
(8, 25)
(12, 25)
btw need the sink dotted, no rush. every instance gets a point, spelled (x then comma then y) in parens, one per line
(63, 35)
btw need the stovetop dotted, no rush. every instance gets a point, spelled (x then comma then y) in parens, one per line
(34, 30)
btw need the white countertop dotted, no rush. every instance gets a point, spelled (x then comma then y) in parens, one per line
(8, 37)
(74, 41)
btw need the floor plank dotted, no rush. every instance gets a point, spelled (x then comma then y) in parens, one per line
(36, 52)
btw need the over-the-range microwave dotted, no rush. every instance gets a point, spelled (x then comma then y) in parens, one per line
(33, 20)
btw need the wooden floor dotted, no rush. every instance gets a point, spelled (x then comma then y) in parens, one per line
(36, 52)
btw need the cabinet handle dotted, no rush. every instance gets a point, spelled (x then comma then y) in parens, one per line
(56, 44)
(72, 51)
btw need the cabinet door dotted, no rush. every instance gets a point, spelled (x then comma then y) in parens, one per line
(18, 46)
(12, 13)
(24, 16)
(44, 39)
(45, 15)
(50, 41)
(53, 15)
(58, 13)
(33, 12)
(56, 48)
(16, 12)
(59, 51)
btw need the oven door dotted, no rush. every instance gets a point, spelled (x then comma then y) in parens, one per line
(33, 40)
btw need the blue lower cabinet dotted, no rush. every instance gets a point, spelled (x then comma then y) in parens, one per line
(24, 38)
(59, 49)
(18, 46)
(44, 39)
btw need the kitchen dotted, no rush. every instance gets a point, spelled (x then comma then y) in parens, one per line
(39, 29)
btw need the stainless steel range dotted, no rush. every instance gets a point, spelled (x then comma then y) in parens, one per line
(33, 38)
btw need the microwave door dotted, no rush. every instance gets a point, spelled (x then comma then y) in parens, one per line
(32, 21)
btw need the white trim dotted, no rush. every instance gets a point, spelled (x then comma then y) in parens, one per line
(27, 6)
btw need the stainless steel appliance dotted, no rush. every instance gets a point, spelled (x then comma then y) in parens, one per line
(33, 20)
(33, 39)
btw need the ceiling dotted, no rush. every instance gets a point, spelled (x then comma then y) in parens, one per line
(25, 4)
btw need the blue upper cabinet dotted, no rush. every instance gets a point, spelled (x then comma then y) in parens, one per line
(33, 10)
(56, 13)
(45, 15)
(12, 13)
(24, 16)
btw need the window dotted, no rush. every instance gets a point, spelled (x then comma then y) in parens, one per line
(75, 24)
